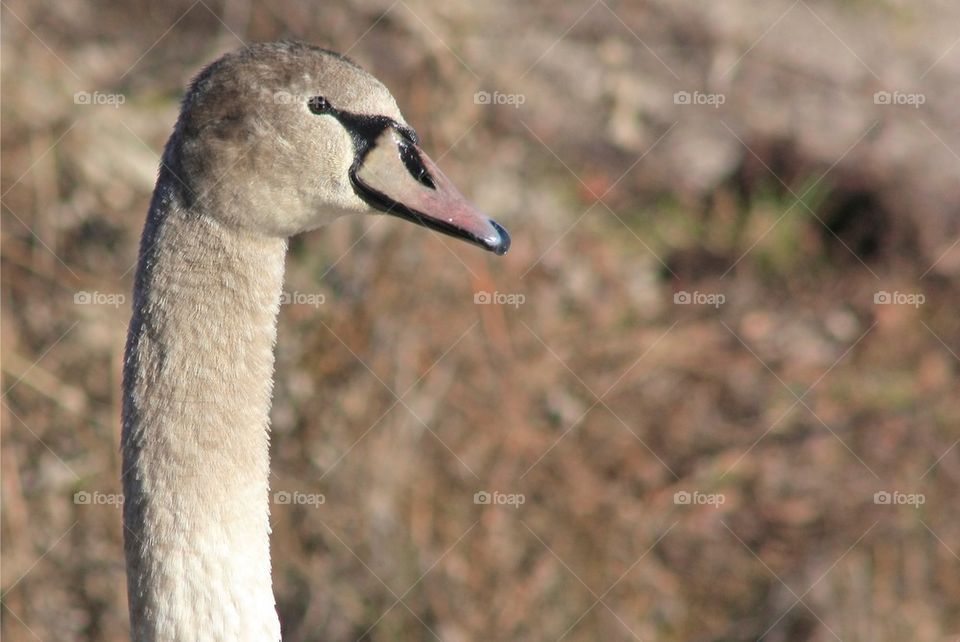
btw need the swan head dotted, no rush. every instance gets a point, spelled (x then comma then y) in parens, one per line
(280, 138)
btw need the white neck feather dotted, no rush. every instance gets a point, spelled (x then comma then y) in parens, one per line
(198, 379)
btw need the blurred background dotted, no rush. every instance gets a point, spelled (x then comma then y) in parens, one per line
(710, 394)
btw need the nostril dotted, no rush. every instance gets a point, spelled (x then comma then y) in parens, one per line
(414, 164)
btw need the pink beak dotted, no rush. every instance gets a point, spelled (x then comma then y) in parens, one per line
(397, 177)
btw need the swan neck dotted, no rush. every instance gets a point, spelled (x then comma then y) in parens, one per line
(198, 375)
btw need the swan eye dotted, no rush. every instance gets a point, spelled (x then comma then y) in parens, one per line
(319, 105)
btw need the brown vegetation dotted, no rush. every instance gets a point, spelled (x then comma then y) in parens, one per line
(784, 408)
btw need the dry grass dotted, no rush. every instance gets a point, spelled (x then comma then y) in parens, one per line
(597, 399)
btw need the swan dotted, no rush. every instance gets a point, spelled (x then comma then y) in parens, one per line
(272, 140)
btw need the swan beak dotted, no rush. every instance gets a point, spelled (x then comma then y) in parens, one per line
(395, 176)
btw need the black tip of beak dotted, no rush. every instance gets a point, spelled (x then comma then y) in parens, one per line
(502, 244)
